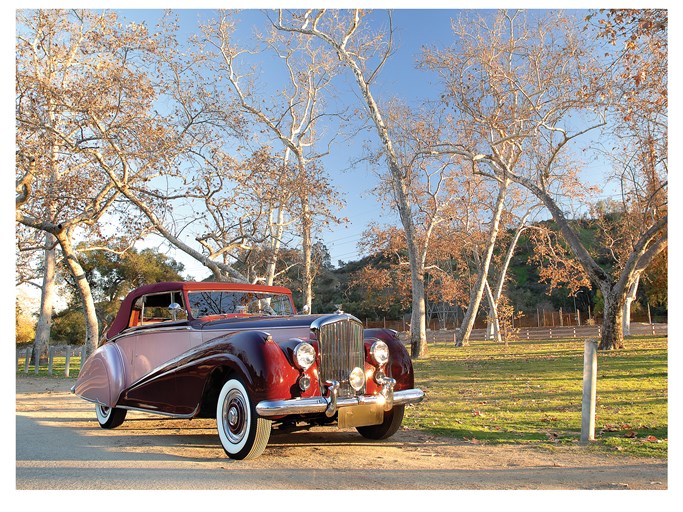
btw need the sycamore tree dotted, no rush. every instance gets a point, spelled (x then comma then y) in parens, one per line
(363, 53)
(78, 85)
(524, 91)
(286, 108)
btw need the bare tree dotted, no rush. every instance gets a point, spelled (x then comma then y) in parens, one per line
(88, 133)
(521, 88)
(292, 117)
(365, 54)
(494, 295)
(55, 193)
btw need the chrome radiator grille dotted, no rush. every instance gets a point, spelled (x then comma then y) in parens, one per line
(340, 342)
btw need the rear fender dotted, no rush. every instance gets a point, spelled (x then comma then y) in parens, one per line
(102, 377)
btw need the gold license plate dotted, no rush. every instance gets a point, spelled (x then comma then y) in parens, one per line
(360, 416)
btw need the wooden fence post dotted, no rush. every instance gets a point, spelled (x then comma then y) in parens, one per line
(590, 373)
(68, 361)
(27, 360)
(50, 360)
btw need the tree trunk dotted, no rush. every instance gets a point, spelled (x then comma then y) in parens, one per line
(612, 327)
(418, 324)
(83, 287)
(630, 297)
(276, 231)
(492, 322)
(463, 335)
(42, 341)
(307, 243)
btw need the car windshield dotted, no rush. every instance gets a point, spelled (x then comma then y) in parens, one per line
(214, 302)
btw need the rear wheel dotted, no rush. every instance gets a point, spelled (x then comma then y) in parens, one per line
(392, 422)
(109, 417)
(242, 433)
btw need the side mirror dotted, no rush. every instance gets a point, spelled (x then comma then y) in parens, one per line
(305, 310)
(174, 307)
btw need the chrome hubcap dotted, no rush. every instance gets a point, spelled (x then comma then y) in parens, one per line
(235, 416)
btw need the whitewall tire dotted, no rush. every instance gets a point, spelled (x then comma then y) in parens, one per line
(109, 417)
(242, 433)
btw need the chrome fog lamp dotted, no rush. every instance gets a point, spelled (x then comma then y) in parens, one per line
(304, 355)
(357, 379)
(304, 382)
(380, 352)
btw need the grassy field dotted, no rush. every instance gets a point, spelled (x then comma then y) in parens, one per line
(530, 392)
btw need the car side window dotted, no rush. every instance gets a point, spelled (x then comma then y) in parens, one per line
(154, 308)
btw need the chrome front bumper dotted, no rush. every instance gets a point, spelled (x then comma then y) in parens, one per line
(387, 398)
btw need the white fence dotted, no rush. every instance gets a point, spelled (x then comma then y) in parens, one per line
(66, 351)
(549, 333)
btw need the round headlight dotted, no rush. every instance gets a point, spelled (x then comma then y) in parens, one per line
(304, 355)
(380, 352)
(357, 379)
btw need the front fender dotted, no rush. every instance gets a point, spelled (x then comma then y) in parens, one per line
(401, 366)
(102, 377)
(253, 357)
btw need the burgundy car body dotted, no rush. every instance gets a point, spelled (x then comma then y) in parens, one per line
(177, 367)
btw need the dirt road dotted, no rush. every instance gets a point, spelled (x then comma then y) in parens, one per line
(60, 446)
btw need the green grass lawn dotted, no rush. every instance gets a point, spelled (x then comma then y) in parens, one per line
(530, 392)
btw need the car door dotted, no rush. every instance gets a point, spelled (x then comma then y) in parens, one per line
(159, 337)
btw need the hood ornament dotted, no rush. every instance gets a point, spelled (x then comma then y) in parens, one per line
(339, 309)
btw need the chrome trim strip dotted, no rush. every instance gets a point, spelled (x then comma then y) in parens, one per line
(141, 329)
(270, 408)
(160, 413)
(259, 329)
(330, 319)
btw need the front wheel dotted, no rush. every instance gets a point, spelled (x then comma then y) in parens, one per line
(392, 422)
(109, 417)
(242, 433)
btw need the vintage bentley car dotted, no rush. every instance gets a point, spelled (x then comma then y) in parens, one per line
(241, 354)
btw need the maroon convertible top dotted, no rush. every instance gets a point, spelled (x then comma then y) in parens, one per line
(123, 316)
